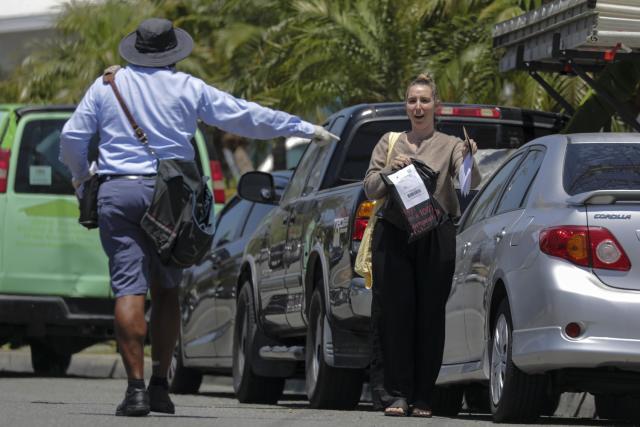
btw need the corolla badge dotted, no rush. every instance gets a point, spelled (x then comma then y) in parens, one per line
(612, 216)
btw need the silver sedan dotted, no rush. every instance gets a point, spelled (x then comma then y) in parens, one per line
(546, 291)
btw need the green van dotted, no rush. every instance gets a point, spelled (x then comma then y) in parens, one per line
(54, 281)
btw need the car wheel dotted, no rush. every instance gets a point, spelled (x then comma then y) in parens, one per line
(447, 401)
(249, 387)
(47, 361)
(182, 380)
(616, 407)
(515, 396)
(327, 387)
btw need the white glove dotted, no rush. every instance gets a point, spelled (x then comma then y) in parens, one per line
(321, 136)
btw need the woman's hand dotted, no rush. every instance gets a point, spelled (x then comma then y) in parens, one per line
(400, 161)
(465, 148)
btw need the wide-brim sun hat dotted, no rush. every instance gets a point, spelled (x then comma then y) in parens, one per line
(156, 43)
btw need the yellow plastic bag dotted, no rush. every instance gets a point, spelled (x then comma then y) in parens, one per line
(363, 264)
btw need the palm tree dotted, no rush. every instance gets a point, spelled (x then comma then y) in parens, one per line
(61, 71)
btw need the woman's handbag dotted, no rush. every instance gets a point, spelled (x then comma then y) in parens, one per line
(363, 264)
(89, 202)
(411, 199)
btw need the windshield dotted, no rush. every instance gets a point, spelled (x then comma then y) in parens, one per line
(612, 166)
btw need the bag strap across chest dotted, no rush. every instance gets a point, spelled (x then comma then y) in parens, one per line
(109, 77)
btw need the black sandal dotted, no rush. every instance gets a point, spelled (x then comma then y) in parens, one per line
(399, 408)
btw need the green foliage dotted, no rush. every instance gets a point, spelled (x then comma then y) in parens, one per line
(310, 57)
(61, 71)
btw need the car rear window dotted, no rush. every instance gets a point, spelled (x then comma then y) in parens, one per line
(497, 141)
(39, 170)
(600, 166)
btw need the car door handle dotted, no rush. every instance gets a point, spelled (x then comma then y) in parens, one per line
(500, 235)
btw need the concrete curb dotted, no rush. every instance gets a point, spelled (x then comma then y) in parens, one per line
(82, 365)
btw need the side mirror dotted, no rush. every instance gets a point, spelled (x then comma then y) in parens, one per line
(257, 187)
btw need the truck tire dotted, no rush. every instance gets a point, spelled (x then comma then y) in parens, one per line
(447, 401)
(327, 387)
(47, 361)
(515, 396)
(182, 380)
(249, 387)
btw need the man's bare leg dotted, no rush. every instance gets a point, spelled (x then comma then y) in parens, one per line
(131, 330)
(165, 324)
(165, 318)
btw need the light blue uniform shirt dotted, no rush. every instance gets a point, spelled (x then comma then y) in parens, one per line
(166, 105)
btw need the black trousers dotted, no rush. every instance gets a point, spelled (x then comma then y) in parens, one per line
(411, 284)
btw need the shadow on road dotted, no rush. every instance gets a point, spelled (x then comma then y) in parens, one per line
(151, 415)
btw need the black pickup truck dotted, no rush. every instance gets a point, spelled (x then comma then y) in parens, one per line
(300, 305)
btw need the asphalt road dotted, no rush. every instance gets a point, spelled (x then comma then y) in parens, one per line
(83, 400)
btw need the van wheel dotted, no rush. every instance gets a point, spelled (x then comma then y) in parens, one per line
(249, 387)
(327, 387)
(447, 401)
(515, 396)
(47, 361)
(182, 380)
(613, 407)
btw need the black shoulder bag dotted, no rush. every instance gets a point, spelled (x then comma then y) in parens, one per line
(421, 218)
(88, 202)
(178, 220)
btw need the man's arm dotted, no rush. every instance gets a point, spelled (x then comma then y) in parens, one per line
(76, 135)
(249, 119)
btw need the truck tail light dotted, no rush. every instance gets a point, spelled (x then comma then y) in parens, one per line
(593, 247)
(218, 181)
(5, 155)
(365, 209)
(487, 112)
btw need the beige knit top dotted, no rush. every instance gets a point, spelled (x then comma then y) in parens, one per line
(441, 152)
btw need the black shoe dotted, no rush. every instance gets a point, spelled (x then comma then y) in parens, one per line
(135, 403)
(159, 399)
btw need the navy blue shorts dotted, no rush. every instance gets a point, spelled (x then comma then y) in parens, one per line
(133, 262)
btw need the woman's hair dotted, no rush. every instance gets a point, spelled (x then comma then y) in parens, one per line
(426, 80)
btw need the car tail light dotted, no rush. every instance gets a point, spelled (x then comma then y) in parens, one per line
(593, 247)
(218, 181)
(491, 113)
(607, 252)
(5, 155)
(365, 209)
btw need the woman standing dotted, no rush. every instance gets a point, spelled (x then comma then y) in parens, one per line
(412, 280)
